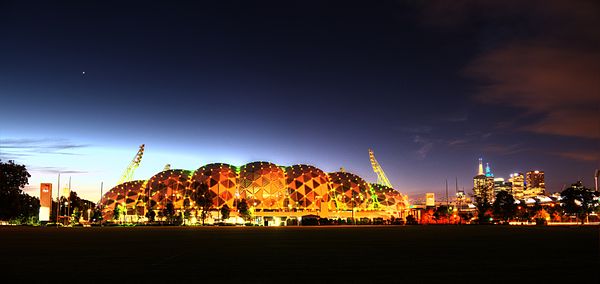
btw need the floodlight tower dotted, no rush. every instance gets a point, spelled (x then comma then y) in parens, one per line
(381, 177)
(135, 163)
(128, 175)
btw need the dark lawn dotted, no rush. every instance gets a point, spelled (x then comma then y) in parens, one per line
(392, 254)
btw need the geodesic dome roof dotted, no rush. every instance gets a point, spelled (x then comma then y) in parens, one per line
(220, 181)
(348, 191)
(128, 194)
(171, 186)
(262, 184)
(307, 186)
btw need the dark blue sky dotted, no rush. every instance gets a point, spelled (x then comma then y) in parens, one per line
(430, 87)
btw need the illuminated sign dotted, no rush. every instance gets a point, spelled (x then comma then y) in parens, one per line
(45, 201)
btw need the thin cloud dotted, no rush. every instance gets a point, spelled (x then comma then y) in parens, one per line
(558, 85)
(56, 170)
(426, 146)
(500, 149)
(579, 156)
(552, 74)
(418, 129)
(457, 117)
(25, 146)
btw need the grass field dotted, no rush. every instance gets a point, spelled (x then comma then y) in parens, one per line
(392, 254)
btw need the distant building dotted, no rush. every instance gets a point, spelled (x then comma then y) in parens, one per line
(517, 181)
(501, 185)
(430, 199)
(460, 196)
(534, 184)
(483, 184)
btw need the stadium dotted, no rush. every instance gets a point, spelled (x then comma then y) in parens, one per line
(273, 194)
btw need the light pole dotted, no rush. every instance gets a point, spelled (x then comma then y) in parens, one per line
(353, 221)
(58, 201)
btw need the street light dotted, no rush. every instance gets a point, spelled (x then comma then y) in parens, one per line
(353, 221)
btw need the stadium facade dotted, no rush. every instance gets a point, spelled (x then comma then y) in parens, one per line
(273, 193)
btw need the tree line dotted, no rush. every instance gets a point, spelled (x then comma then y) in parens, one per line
(18, 207)
(576, 203)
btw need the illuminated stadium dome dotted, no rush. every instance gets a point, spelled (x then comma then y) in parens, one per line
(388, 198)
(349, 191)
(273, 194)
(171, 186)
(128, 194)
(219, 180)
(307, 187)
(262, 184)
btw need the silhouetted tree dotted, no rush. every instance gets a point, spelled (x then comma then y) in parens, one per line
(14, 203)
(504, 206)
(465, 216)
(225, 211)
(244, 210)
(411, 220)
(97, 215)
(441, 213)
(483, 209)
(75, 216)
(203, 198)
(578, 200)
(118, 212)
(169, 212)
(151, 215)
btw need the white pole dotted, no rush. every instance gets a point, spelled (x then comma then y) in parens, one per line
(58, 200)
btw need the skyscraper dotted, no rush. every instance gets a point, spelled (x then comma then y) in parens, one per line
(534, 184)
(501, 185)
(517, 181)
(483, 185)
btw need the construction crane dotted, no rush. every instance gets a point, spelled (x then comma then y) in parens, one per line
(135, 163)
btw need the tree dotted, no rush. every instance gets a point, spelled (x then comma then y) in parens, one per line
(77, 206)
(97, 215)
(169, 212)
(244, 210)
(203, 198)
(225, 211)
(75, 216)
(14, 178)
(118, 211)
(14, 203)
(541, 217)
(150, 215)
(187, 214)
(441, 214)
(411, 220)
(504, 206)
(578, 200)
(465, 216)
(483, 209)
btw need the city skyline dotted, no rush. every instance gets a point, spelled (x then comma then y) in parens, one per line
(430, 88)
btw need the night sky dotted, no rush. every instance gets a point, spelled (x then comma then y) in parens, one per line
(430, 87)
